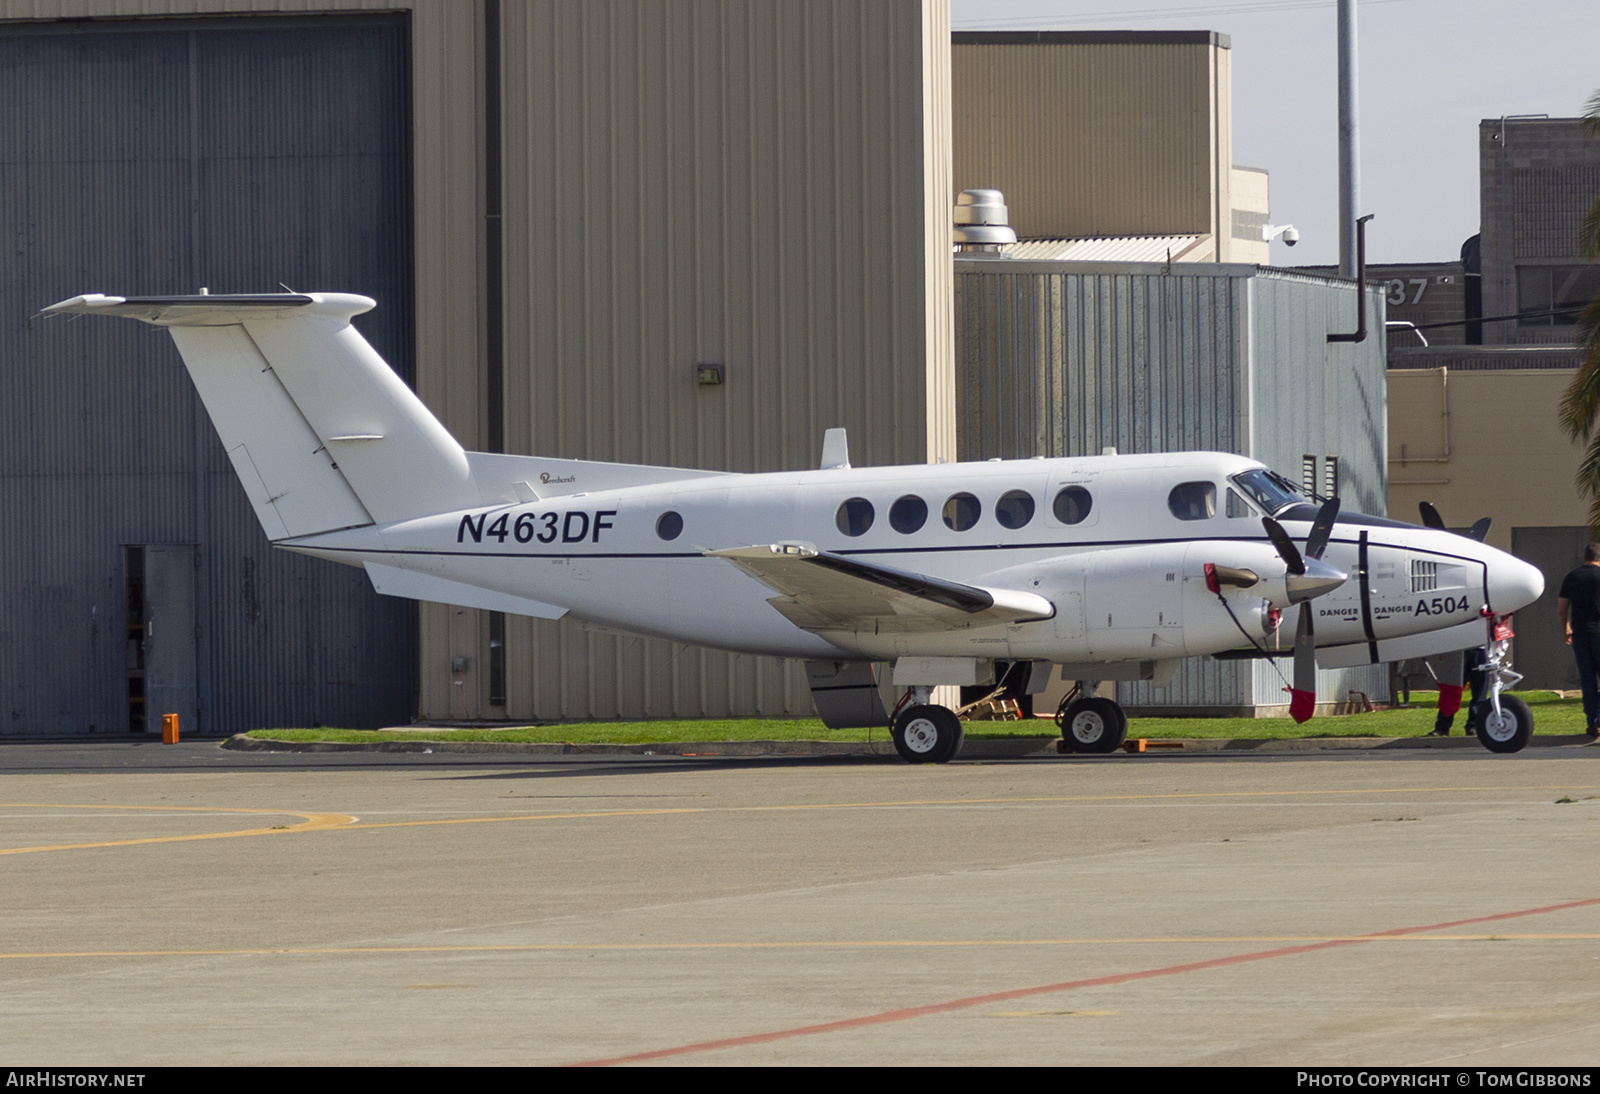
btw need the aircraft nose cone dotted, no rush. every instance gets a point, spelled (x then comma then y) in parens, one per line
(1319, 578)
(1513, 584)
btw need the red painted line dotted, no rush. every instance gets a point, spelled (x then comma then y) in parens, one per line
(905, 1013)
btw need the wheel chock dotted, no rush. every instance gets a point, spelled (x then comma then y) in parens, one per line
(1144, 744)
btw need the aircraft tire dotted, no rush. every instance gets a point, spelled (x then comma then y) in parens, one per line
(1508, 732)
(1094, 725)
(928, 734)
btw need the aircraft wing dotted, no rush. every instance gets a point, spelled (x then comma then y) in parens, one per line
(820, 591)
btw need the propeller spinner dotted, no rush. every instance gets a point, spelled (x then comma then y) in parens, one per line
(1309, 577)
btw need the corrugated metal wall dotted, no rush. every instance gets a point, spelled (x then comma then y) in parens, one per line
(150, 157)
(1066, 359)
(760, 186)
(1313, 397)
(1066, 364)
(1097, 133)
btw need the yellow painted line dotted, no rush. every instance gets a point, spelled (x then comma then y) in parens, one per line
(891, 943)
(925, 802)
(310, 822)
(318, 822)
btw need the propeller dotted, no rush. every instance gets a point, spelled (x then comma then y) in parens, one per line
(1308, 577)
(1432, 519)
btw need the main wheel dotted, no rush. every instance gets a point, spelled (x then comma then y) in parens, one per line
(928, 735)
(1509, 730)
(1094, 725)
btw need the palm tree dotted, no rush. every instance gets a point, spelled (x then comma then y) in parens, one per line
(1580, 406)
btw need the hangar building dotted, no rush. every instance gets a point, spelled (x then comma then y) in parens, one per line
(571, 215)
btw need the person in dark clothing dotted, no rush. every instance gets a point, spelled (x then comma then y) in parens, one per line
(1578, 607)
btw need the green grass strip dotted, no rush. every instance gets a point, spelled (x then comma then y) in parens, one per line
(1551, 715)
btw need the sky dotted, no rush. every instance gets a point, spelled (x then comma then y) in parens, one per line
(1429, 71)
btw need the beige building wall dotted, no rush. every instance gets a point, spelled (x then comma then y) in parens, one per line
(1483, 443)
(1099, 133)
(1250, 194)
(760, 187)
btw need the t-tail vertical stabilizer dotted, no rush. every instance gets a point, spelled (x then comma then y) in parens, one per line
(322, 433)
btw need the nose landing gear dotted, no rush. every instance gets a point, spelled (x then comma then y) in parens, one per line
(1504, 722)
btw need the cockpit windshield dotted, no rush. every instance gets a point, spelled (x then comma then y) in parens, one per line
(1270, 490)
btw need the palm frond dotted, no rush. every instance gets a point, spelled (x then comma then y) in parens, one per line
(1580, 405)
(1589, 232)
(1588, 482)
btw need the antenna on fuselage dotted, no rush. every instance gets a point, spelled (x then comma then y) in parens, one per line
(835, 450)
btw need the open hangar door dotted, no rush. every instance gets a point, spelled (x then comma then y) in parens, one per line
(159, 156)
(1539, 651)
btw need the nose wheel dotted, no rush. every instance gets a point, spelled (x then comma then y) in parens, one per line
(1092, 725)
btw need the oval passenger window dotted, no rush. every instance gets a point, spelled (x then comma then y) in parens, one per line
(1072, 505)
(908, 514)
(961, 511)
(854, 516)
(669, 525)
(1014, 509)
(1193, 501)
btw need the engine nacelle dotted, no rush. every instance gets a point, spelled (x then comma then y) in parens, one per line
(1150, 602)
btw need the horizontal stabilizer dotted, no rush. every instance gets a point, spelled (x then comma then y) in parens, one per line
(828, 592)
(393, 581)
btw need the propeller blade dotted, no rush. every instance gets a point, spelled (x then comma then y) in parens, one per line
(1303, 696)
(1305, 651)
(1430, 516)
(1285, 546)
(1322, 528)
(1479, 529)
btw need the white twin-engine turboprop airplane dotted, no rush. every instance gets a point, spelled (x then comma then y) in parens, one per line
(1111, 567)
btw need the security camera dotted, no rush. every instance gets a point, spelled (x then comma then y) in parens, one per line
(1287, 232)
(1290, 237)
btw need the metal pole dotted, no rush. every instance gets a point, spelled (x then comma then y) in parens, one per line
(1349, 153)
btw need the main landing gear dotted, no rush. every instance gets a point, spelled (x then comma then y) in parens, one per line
(1089, 723)
(927, 734)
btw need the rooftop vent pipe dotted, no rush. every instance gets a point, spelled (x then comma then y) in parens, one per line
(981, 227)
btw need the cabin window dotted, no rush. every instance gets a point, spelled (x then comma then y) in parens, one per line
(1014, 509)
(908, 514)
(854, 516)
(1193, 501)
(1072, 505)
(961, 511)
(669, 525)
